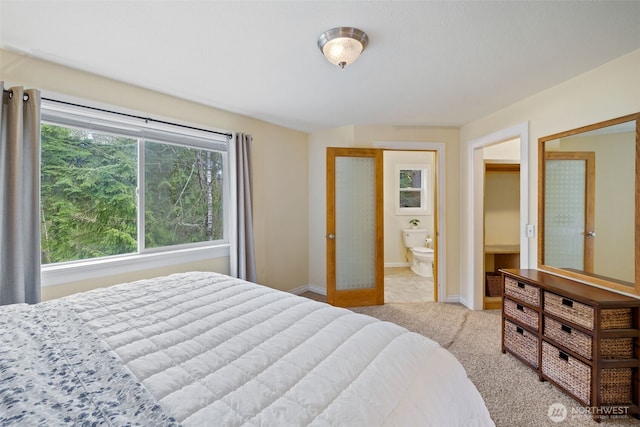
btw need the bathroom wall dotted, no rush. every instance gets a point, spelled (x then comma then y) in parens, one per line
(395, 254)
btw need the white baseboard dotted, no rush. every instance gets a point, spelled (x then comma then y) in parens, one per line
(299, 290)
(396, 264)
(452, 299)
(306, 288)
(318, 289)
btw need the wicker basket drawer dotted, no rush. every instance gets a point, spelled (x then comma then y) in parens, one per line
(615, 318)
(616, 348)
(568, 309)
(574, 340)
(522, 291)
(616, 386)
(521, 342)
(568, 372)
(522, 314)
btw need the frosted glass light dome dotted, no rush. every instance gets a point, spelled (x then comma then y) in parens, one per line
(343, 45)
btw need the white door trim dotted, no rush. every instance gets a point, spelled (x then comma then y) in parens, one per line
(473, 215)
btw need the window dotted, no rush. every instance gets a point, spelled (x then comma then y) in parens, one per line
(113, 185)
(413, 190)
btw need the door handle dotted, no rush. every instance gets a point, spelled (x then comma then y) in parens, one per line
(591, 234)
(331, 236)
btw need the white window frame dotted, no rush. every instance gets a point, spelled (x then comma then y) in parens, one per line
(426, 204)
(144, 259)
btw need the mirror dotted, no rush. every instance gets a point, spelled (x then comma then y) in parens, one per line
(589, 204)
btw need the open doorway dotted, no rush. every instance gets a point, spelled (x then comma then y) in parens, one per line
(409, 226)
(501, 226)
(473, 291)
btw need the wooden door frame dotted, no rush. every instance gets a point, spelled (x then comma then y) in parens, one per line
(356, 297)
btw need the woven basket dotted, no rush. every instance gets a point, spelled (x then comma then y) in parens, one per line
(521, 342)
(568, 372)
(494, 284)
(522, 314)
(615, 318)
(574, 340)
(615, 386)
(522, 291)
(570, 310)
(616, 348)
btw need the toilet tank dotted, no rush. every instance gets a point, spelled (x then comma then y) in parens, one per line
(412, 238)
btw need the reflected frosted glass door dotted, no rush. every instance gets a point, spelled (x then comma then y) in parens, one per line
(355, 222)
(565, 206)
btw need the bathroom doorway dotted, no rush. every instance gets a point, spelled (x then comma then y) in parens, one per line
(410, 204)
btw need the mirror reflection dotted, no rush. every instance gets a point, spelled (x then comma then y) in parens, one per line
(588, 213)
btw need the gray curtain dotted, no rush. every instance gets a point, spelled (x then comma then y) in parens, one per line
(20, 196)
(245, 254)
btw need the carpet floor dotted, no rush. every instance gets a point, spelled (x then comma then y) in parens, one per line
(512, 392)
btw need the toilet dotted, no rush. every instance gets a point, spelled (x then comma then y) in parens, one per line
(422, 257)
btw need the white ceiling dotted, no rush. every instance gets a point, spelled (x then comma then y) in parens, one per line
(428, 63)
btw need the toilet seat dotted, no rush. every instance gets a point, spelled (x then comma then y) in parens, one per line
(422, 250)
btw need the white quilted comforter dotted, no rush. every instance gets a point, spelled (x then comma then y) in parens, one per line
(218, 351)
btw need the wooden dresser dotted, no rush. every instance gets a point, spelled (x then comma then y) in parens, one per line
(583, 339)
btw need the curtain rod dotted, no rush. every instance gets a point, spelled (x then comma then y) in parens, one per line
(146, 119)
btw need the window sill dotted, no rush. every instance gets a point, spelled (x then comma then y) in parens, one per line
(58, 274)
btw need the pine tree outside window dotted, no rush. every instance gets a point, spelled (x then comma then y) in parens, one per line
(114, 187)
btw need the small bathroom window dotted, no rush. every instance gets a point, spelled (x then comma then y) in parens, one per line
(413, 185)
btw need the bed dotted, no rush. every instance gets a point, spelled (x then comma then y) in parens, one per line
(205, 349)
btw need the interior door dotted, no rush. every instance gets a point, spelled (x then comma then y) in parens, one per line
(569, 210)
(354, 234)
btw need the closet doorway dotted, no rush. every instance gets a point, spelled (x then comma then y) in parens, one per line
(501, 227)
(473, 274)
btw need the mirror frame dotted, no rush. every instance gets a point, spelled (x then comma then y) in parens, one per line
(600, 281)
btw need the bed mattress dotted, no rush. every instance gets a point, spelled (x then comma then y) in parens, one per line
(209, 349)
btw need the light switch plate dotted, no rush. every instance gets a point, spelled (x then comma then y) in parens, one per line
(531, 230)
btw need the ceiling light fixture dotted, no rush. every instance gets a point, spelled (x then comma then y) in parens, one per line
(341, 46)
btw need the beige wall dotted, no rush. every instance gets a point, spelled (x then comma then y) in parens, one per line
(280, 166)
(609, 91)
(365, 136)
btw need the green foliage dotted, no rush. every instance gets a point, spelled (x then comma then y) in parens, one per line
(89, 202)
(183, 195)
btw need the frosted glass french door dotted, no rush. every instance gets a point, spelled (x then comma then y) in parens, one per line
(354, 227)
(569, 236)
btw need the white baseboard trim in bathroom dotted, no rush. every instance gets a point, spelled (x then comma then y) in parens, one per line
(396, 264)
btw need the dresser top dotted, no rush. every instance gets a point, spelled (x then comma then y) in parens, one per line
(571, 288)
